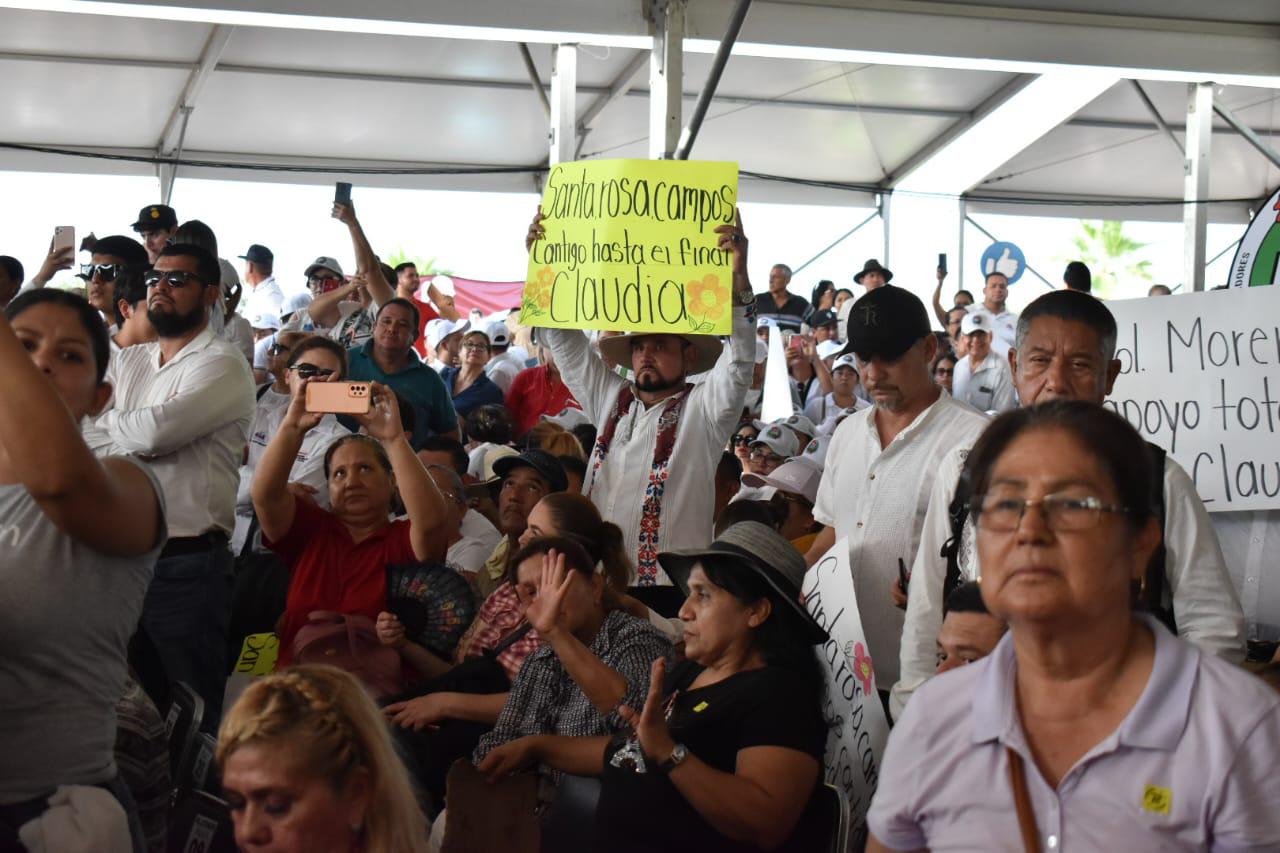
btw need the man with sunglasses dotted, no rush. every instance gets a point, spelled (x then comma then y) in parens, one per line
(110, 256)
(183, 404)
(1065, 349)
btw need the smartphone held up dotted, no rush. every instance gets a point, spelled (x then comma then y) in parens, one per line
(339, 398)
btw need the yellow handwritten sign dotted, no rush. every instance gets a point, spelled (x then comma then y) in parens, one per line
(258, 654)
(631, 245)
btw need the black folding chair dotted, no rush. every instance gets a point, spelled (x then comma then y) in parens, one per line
(182, 724)
(824, 826)
(201, 823)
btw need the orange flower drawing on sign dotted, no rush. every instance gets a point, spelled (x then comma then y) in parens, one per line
(703, 298)
(537, 293)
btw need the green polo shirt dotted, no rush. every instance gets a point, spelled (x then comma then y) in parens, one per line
(415, 382)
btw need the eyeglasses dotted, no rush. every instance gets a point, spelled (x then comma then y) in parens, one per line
(945, 371)
(105, 272)
(742, 440)
(173, 278)
(310, 371)
(766, 456)
(472, 345)
(1061, 512)
(322, 279)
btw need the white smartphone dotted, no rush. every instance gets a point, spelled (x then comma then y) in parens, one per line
(64, 237)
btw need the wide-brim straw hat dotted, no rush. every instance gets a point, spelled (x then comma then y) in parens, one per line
(709, 347)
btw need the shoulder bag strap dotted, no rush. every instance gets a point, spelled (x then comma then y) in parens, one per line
(509, 640)
(1022, 803)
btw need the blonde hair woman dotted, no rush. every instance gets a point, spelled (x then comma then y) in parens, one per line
(307, 765)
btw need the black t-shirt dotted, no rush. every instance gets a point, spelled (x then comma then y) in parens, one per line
(760, 707)
(792, 313)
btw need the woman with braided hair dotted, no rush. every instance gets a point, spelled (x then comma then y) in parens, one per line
(308, 767)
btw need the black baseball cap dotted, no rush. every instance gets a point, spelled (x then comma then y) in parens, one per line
(885, 323)
(822, 318)
(155, 217)
(258, 254)
(547, 466)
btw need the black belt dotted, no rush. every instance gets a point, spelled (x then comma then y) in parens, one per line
(181, 546)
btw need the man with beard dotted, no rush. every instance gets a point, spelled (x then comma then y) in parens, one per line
(652, 471)
(183, 404)
(1065, 350)
(881, 462)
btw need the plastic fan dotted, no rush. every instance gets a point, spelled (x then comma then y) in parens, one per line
(435, 604)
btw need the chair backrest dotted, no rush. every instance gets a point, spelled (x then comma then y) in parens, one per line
(182, 723)
(570, 822)
(484, 817)
(201, 823)
(824, 826)
(204, 775)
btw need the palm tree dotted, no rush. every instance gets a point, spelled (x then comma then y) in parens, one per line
(426, 266)
(1111, 257)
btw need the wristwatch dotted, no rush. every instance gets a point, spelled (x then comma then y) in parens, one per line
(743, 297)
(678, 754)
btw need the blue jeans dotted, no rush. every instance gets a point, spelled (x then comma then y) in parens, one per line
(184, 621)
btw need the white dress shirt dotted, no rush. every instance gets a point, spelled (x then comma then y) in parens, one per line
(989, 388)
(1005, 325)
(239, 334)
(1251, 547)
(502, 369)
(821, 408)
(308, 465)
(618, 486)
(264, 298)
(479, 538)
(188, 420)
(1198, 584)
(876, 498)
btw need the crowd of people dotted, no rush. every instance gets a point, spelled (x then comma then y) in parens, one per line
(555, 575)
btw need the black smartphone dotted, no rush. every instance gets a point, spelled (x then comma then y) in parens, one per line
(342, 193)
(902, 576)
(942, 261)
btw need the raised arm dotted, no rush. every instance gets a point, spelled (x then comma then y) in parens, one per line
(820, 369)
(938, 310)
(109, 505)
(443, 302)
(324, 308)
(726, 386)
(272, 500)
(54, 262)
(422, 500)
(366, 261)
(215, 393)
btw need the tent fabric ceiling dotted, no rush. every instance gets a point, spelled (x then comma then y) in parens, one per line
(296, 95)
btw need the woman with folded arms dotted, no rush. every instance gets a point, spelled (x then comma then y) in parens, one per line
(1090, 727)
(726, 750)
(80, 538)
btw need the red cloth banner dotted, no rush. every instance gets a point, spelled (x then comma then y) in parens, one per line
(489, 296)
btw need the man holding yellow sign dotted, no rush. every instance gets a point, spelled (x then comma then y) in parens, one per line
(654, 248)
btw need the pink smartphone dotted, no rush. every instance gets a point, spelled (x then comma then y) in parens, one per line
(64, 237)
(339, 398)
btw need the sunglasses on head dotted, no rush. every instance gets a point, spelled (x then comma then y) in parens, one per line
(173, 278)
(105, 272)
(310, 371)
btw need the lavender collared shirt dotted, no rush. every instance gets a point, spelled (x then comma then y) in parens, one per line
(1192, 767)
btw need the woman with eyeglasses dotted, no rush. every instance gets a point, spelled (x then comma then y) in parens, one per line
(296, 359)
(1090, 727)
(337, 557)
(468, 384)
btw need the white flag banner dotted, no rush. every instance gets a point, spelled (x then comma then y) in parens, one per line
(1200, 376)
(856, 741)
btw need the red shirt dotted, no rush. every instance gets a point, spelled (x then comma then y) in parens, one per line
(426, 313)
(328, 571)
(533, 393)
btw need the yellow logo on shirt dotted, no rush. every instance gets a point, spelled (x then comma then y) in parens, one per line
(1157, 799)
(700, 707)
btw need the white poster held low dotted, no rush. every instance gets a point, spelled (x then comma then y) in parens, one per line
(856, 741)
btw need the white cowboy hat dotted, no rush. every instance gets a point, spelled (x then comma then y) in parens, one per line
(708, 347)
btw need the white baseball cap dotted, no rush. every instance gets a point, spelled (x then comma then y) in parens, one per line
(778, 439)
(324, 262)
(568, 418)
(439, 329)
(296, 302)
(826, 349)
(265, 321)
(976, 321)
(815, 451)
(795, 476)
(846, 360)
(498, 334)
(796, 423)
